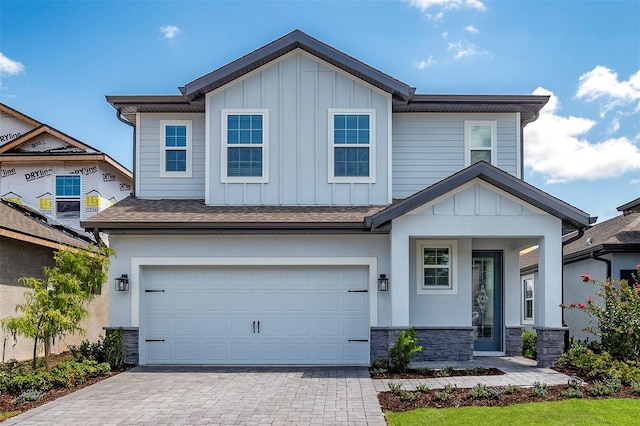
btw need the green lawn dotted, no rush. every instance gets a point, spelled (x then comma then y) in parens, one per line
(569, 412)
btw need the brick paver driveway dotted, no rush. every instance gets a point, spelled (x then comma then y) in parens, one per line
(216, 395)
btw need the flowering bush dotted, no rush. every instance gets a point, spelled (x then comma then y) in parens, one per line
(617, 324)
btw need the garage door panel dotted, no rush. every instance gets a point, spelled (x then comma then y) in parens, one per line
(214, 327)
(207, 314)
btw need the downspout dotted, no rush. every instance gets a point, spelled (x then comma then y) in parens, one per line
(522, 124)
(580, 234)
(595, 256)
(133, 166)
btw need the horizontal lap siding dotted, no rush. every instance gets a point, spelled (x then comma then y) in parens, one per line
(428, 147)
(150, 184)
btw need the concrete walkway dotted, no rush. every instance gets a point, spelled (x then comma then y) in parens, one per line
(218, 396)
(518, 371)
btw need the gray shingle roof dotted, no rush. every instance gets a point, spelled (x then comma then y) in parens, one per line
(134, 213)
(22, 223)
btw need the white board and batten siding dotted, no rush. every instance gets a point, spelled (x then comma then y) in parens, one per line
(297, 91)
(429, 147)
(149, 182)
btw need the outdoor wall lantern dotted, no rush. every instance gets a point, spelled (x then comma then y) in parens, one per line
(122, 283)
(383, 283)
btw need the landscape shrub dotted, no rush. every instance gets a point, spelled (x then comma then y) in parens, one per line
(617, 323)
(400, 354)
(529, 344)
(109, 349)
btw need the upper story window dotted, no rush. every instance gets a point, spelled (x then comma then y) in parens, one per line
(527, 299)
(68, 190)
(244, 146)
(175, 147)
(480, 141)
(351, 145)
(436, 267)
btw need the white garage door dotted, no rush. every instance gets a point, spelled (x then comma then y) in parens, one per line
(255, 315)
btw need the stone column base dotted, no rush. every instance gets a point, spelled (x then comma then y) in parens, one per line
(130, 342)
(550, 344)
(513, 340)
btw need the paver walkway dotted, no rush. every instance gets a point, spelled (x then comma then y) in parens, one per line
(218, 396)
(256, 395)
(518, 371)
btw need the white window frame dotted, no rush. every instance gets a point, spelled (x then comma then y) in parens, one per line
(372, 146)
(524, 299)
(467, 140)
(163, 149)
(224, 146)
(452, 246)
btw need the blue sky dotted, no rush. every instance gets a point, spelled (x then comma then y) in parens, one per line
(58, 59)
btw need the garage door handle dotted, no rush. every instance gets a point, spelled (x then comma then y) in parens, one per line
(154, 291)
(358, 340)
(358, 291)
(154, 340)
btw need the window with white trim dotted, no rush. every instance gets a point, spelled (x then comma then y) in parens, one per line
(244, 146)
(480, 141)
(175, 148)
(351, 145)
(436, 263)
(68, 189)
(527, 299)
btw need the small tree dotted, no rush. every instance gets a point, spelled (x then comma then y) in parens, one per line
(617, 323)
(55, 306)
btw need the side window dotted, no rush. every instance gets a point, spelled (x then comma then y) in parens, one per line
(436, 267)
(528, 295)
(244, 146)
(175, 147)
(351, 146)
(480, 141)
(68, 196)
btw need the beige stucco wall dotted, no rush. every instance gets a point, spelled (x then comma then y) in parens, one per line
(11, 295)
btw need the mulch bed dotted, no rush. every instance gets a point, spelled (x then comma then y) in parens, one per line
(432, 374)
(391, 402)
(7, 399)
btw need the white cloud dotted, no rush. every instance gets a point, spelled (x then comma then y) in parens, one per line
(556, 147)
(601, 83)
(425, 64)
(9, 66)
(471, 29)
(634, 181)
(463, 49)
(169, 31)
(447, 4)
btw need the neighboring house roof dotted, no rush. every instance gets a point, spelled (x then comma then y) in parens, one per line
(405, 99)
(79, 151)
(166, 216)
(630, 207)
(571, 217)
(21, 223)
(620, 234)
(17, 114)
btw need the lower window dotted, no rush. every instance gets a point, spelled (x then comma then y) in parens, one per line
(436, 266)
(527, 299)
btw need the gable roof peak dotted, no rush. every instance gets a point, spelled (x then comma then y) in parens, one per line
(296, 39)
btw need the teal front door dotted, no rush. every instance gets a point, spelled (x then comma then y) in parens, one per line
(487, 300)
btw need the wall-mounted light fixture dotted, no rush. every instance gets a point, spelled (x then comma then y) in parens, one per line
(383, 283)
(122, 283)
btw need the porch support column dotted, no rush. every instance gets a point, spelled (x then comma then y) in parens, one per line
(399, 280)
(548, 314)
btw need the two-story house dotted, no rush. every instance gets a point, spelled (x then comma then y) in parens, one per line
(297, 206)
(61, 177)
